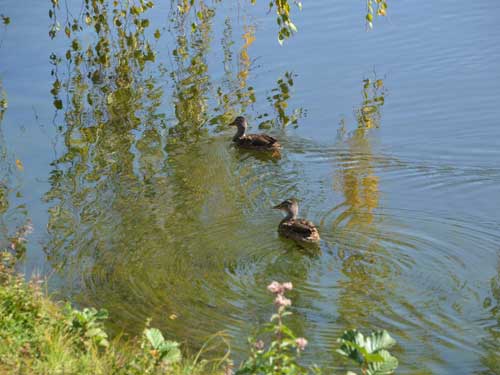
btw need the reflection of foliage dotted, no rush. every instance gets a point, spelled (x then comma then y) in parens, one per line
(3, 101)
(368, 115)
(110, 66)
(249, 38)
(491, 343)
(14, 224)
(190, 76)
(5, 19)
(133, 184)
(357, 182)
(279, 100)
(359, 185)
(234, 95)
(115, 192)
(109, 96)
(112, 61)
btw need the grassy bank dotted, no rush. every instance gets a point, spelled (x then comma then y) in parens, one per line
(40, 336)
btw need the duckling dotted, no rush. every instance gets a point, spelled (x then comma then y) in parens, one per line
(297, 229)
(261, 142)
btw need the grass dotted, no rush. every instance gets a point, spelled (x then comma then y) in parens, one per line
(40, 336)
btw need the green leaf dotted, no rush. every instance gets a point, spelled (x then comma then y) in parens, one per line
(102, 314)
(58, 104)
(104, 343)
(387, 366)
(170, 352)
(287, 331)
(379, 340)
(370, 350)
(93, 332)
(154, 337)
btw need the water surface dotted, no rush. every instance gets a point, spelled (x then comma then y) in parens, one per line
(149, 211)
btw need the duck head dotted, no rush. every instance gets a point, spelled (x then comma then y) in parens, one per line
(290, 207)
(241, 124)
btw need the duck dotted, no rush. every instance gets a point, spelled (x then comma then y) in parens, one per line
(260, 142)
(294, 228)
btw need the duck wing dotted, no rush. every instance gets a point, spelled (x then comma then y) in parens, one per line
(261, 140)
(304, 227)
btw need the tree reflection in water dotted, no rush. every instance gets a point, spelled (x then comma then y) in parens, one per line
(136, 213)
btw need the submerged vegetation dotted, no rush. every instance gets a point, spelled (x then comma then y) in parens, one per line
(40, 336)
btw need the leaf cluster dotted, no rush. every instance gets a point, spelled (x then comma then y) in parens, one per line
(380, 9)
(369, 352)
(88, 325)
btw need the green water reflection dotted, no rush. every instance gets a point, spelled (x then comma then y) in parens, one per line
(490, 344)
(147, 211)
(152, 212)
(15, 224)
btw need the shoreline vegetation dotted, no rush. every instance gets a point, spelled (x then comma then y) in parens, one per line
(42, 336)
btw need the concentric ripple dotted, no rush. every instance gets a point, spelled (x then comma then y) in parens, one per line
(196, 254)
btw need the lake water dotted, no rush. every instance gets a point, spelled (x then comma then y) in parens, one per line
(140, 204)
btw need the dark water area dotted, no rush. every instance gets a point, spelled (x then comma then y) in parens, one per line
(141, 205)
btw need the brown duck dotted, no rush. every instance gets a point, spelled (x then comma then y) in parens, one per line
(261, 142)
(294, 228)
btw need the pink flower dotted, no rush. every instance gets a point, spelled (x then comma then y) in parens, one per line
(275, 287)
(301, 343)
(282, 301)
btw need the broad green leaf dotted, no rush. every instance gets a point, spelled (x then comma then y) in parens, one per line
(379, 340)
(169, 352)
(154, 337)
(387, 366)
(93, 332)
(369, 350)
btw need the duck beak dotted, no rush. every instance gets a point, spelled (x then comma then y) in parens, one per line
(233, 123)
(277, 207)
